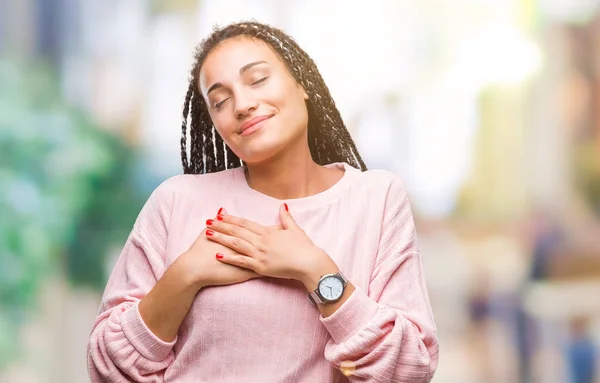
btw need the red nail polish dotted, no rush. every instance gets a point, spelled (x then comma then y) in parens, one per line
(220, 217)
(219, 256)
(209, 222)
(209, 232)
(286, 206)
(220, 210)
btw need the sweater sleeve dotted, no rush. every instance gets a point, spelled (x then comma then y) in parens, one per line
(121, 347)
(388, 334)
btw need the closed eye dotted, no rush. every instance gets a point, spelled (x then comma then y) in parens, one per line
(220, 103)
(260, 81)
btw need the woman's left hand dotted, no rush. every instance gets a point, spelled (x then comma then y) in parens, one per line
(282, 251)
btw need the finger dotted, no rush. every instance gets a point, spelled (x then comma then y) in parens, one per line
(287, 221)
(210, 221)
(234, 243)
(238, 260)
(233, 230)
(241, 222)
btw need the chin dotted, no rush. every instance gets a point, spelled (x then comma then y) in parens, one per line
(260, 148)
(257, 156)
(260, 152)
(264, 145)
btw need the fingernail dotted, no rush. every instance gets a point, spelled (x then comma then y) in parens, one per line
(219, 256)
(209, 222)
(220, 210)
(286, 206)
(209, 232)
(220, 217)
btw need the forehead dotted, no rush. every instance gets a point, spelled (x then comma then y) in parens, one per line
(226, 59)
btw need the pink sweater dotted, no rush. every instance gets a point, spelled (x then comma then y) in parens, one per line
(266, 329)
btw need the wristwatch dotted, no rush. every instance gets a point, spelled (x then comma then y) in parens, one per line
(330, 289)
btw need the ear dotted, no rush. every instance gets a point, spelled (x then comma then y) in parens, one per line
(304, 94)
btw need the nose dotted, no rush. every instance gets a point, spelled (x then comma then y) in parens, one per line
(244, 104)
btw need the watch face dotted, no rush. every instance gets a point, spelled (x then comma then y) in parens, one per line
(331, 288)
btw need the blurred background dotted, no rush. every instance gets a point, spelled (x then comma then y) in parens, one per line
(489, 110)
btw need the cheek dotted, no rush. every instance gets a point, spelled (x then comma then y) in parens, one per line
(299, 112)
(224, 124)
(292, 105)
(225, 129)
(280, 93)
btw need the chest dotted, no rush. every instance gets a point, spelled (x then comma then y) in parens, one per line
(349, 237)
(270, 312)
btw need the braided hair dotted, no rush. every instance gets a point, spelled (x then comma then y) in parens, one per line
(328, 139)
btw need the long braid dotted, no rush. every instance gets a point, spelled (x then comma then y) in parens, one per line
(220, 144)
(186, 109)
(196, 134)
(328, 138)
(233, 160)
(211, 163)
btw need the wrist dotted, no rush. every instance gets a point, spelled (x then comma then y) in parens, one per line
(310, 278)
(185, 276)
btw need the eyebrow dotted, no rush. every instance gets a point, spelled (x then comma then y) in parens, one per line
(243, 69)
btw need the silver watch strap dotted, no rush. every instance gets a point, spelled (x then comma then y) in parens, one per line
(315, 298)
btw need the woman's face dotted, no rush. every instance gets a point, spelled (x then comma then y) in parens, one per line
(257, 107)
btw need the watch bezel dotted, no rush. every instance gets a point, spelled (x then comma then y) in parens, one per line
(317, 292)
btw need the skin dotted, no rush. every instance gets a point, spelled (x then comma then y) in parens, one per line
(241, 79)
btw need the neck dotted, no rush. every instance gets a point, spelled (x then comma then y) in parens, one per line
(294, 175)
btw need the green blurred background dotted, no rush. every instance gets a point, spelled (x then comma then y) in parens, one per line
(489, 110)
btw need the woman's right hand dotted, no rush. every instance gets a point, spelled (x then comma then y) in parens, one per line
(201, 268)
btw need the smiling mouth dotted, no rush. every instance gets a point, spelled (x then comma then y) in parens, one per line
(251, 125)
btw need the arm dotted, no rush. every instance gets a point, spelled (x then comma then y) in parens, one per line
(122, 347)
(387, 334)
(167, 304)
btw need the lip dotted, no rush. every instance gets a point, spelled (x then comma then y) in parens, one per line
(250, 123)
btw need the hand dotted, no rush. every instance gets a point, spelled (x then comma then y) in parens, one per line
(283, 251)
(200, 268)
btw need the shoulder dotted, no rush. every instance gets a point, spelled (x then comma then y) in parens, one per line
(184, 189)
(182, 184)
(380, 180)
(397, 214)
(181, 192)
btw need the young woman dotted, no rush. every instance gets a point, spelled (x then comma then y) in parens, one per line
(276, 257)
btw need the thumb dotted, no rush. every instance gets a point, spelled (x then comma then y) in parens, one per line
(287, 221)
(274, 228)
